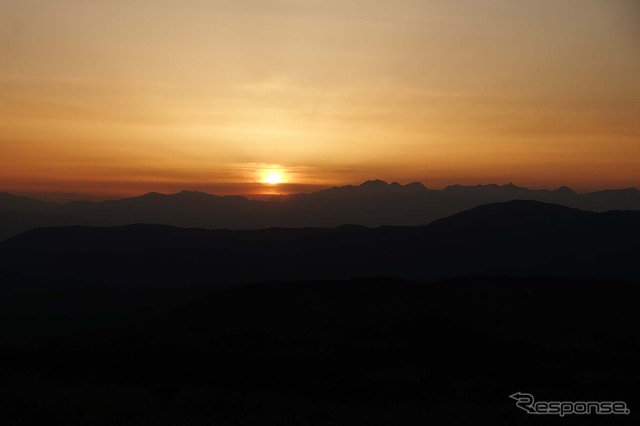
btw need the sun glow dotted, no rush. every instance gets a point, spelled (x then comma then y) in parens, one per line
(273, 177)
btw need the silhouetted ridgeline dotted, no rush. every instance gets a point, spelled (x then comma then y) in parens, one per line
(513, 238)
(374, 203)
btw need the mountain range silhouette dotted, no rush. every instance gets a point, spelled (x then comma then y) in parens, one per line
(373, 203)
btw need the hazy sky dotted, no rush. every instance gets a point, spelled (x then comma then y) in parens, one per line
(124, 97)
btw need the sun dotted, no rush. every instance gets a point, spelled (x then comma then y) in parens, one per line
(273, 177)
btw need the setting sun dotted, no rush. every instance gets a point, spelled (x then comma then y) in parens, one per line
(272, 177)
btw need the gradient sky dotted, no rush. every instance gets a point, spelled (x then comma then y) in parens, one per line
(110, 98)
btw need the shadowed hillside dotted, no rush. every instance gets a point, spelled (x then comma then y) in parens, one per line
(370, 351)
(154, 324)
(518, 237)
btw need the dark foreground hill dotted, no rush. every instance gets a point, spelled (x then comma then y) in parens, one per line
(513, 238)
(373, 203)
(359, 352)
(149, 324)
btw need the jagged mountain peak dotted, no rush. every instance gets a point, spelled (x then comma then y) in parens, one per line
(375, 183)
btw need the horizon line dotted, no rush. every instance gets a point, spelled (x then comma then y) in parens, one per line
(59, 197)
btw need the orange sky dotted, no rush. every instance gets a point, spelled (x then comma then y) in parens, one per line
(111, 98)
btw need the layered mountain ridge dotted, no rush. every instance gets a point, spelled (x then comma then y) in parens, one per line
(372, 203)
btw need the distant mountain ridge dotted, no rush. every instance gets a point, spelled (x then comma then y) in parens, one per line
(372, 203)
